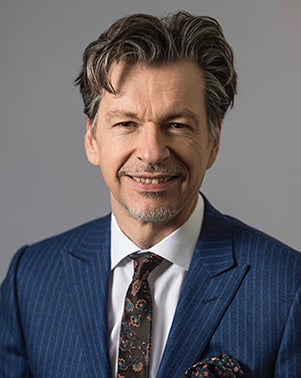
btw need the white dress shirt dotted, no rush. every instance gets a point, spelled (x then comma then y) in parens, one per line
(165, 281)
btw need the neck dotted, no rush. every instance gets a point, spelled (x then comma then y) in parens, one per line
(146, 234)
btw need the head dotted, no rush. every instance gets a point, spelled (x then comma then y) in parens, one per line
(155, 93)
(149, 41)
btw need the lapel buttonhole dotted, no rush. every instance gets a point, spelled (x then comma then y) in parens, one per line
(209, 300)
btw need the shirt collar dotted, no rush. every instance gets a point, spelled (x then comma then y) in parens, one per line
(178, 247)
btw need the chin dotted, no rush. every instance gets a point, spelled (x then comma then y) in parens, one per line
(153, 215)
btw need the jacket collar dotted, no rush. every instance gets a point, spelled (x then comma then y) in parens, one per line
(87, 270)
(210, 285)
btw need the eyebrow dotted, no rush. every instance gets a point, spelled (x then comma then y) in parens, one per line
(184, 113)
(120, 113)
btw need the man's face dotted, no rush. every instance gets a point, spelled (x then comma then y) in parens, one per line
(152, 141)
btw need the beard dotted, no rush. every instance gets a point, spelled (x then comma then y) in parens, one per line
(172, 170)
(154, 214)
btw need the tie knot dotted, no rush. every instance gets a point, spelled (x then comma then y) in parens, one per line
(144, 263)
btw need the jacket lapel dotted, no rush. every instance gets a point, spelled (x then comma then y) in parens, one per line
(87, 268)
(210, 285)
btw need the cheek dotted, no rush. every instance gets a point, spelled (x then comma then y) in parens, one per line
(196, 158)
(194, 153)
(112, 156)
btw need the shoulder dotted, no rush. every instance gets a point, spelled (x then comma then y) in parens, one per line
(32, 259)
(246, 235)
(270, 260)
(254, 247)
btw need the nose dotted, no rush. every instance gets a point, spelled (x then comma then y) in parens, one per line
(152, 145)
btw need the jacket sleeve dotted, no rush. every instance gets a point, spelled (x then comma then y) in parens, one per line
(288, 362)
(13, 356)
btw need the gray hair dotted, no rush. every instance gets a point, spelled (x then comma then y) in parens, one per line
(147, 40)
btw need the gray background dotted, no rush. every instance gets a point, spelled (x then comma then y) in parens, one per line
(46, 184)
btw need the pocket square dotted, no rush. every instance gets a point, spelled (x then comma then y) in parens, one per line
(221, 366)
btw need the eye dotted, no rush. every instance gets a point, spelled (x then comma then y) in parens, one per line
(177, 125)
(126, 124)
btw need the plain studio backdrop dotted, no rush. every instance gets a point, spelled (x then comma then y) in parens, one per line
(46, 184)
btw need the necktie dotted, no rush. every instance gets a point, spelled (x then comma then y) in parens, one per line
(135, 333)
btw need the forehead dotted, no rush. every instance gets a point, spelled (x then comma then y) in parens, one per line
(170, 84)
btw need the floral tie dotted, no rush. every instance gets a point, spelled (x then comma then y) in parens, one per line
(135, 333)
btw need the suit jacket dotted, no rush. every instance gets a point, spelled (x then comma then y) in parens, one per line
(241, 296)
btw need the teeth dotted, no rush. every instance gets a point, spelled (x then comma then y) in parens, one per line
(152, 181)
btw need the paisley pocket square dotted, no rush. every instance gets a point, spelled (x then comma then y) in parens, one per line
(221, 366)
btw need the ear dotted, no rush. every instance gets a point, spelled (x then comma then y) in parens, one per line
(91, 147)
(215, 146)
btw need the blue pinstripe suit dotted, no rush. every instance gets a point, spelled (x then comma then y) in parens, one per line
(241, 297)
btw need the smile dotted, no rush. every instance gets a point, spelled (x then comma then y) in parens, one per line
(148, 180)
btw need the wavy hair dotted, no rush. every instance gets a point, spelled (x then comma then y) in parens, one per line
(147, 40)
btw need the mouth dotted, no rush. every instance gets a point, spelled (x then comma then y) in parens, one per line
(148, 183)
(152, 180)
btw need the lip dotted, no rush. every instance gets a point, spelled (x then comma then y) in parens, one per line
(147, 183)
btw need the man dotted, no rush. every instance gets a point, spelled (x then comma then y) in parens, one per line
(224, 295)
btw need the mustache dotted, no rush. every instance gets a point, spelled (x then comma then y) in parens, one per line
(152, 168)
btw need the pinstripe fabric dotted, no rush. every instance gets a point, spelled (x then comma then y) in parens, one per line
(53, 309)
(241, 297)
(246, 303)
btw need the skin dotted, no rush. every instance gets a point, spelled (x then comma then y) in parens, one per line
(153, 146)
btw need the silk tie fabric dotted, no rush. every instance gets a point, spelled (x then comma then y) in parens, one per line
(136, 325)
